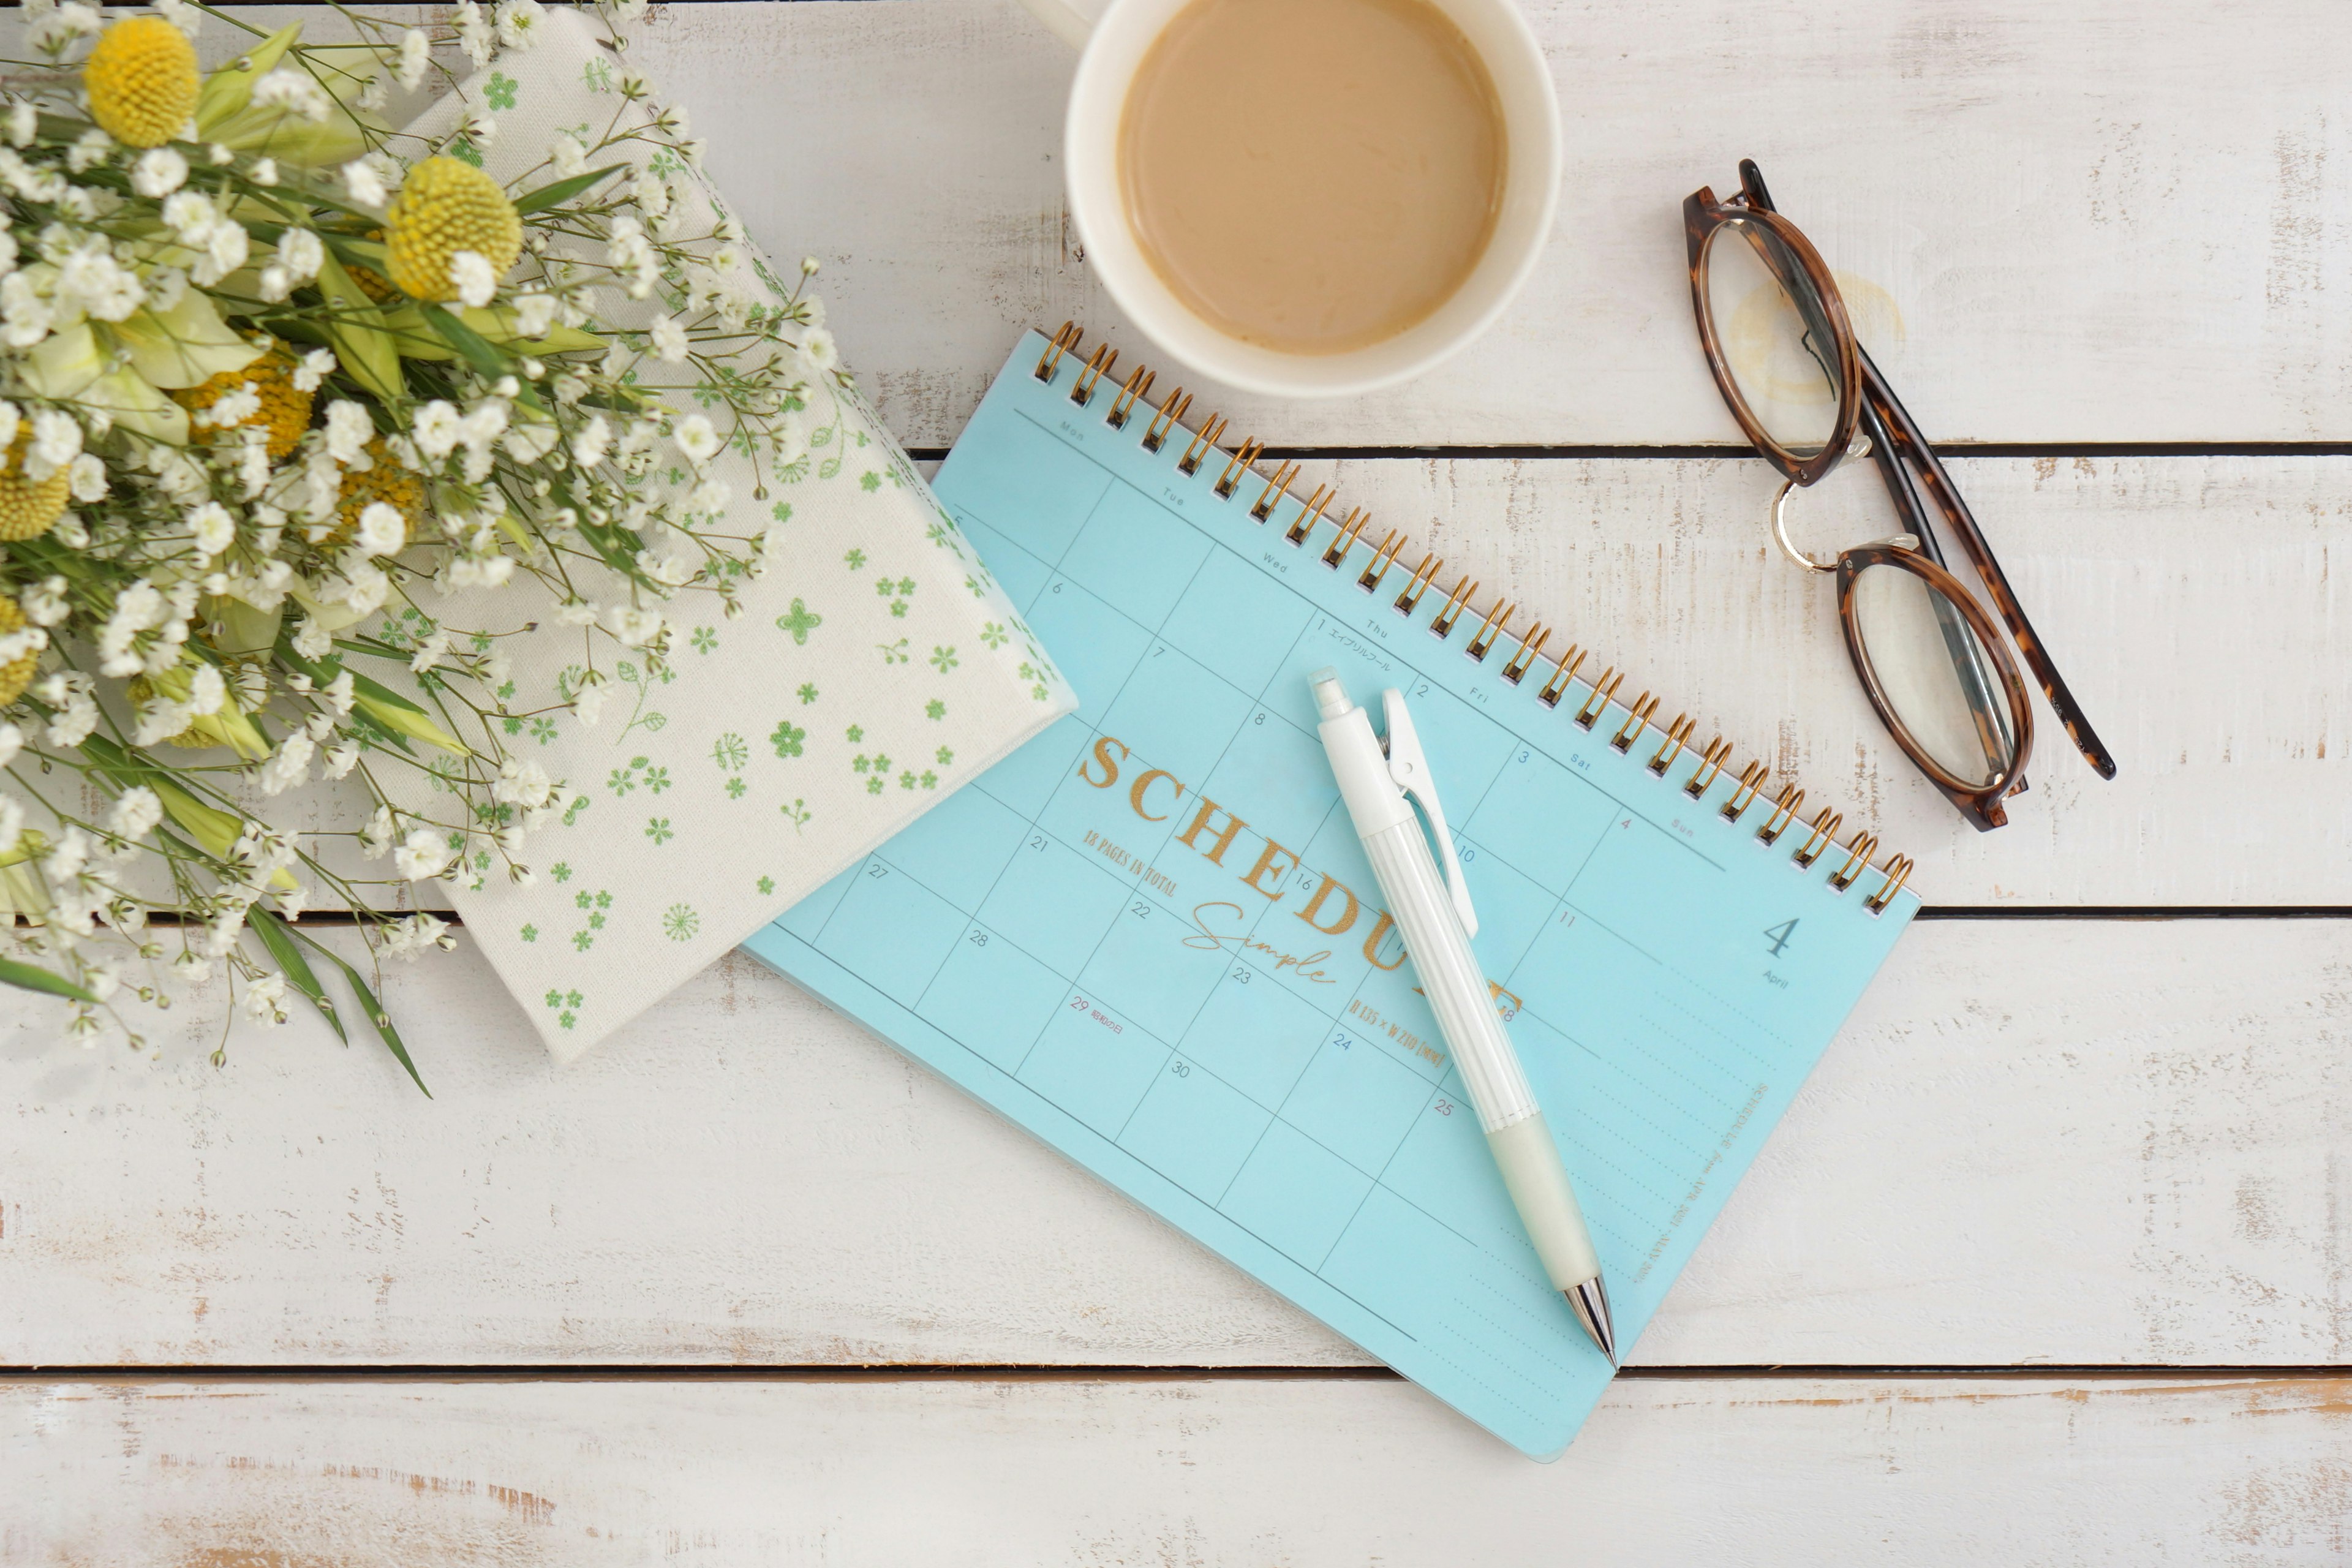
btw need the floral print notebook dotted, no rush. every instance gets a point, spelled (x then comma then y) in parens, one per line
(690, 798)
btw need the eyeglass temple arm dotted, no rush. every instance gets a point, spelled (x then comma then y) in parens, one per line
(1933, 485)
(1988, 705)
(1968, 658)
(1906, 463)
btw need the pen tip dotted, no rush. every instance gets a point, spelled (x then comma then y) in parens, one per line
(1590, 1301)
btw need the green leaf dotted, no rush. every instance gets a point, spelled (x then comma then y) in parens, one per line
(393, 738)
(320, 673)
(372, 254)
(564, 190)
(408, 331)
(363, 687)
(228, 89)
(410, 720)
(559, 340)
(498, 325)
(368, 354)
(291, 964)
(377, 1016)
(34, 979)
(471, 346)
(215, 830)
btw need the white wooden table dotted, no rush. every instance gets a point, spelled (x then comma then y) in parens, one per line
(2051, 1263)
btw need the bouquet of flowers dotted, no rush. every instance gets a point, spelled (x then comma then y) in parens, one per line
(273, 377)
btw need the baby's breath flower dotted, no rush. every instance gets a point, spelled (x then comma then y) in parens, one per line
(295, 92)
(85, 476)
(230, 549)
(415, 54)
(212, 527)
(593, 441)
(436, 428)
(424, 854)
(475, 34)
(520, 22)
(288, 766)
(381, 530)
(158, 171)
(632, 626)
(301, 253)
(817, 350)
(89, 150)
(45, 605)
(365, 182)
(698, 438)
(265, 1000)
(315, 367)
(471, 277)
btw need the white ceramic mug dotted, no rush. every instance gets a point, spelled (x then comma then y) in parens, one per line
(1114, 35)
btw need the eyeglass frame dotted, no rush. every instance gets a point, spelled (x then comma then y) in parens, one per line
(1907, 465)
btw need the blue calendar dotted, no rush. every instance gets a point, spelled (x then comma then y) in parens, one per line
(1149, 936)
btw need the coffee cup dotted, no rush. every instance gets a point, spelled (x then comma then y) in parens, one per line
(1116, 37)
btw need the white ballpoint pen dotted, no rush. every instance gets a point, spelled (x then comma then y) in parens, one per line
(1434, 916)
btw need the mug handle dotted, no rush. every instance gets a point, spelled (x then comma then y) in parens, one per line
(1070, 20)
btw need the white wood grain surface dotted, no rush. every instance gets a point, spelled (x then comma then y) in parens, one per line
(2076, 1143)
(1930, 1472)
(2068, 1143)
(2094, 221)
(2190, 602)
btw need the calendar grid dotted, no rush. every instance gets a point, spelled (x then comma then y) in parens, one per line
(1151, 937)
(1171, 1040)
(1172, 1048)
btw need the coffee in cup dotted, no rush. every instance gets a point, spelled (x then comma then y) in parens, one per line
(1312, 176)
(1309, 198)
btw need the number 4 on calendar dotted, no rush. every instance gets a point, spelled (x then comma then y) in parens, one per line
(1780, 935)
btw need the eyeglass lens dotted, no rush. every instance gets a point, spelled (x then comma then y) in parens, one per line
(1778, 347)
(1935, 675)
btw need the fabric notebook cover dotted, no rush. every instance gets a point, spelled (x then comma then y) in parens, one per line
(878, 667)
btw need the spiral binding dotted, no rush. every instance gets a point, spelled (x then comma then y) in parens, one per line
(1820, 838)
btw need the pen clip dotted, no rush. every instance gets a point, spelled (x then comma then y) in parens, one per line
(1409, 767)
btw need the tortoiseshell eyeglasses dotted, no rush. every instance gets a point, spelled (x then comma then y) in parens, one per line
(1932, 662)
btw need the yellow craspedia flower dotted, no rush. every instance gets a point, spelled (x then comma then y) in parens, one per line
(387, 482)
(29, 507)
(285, 411)
(17, 673)
(372, 284)
(445, 206)
(143, 81)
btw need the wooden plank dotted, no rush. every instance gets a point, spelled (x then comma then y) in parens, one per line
(1923, 1471)
(2059, 223)
(2075, 1142)
(2190, 602)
